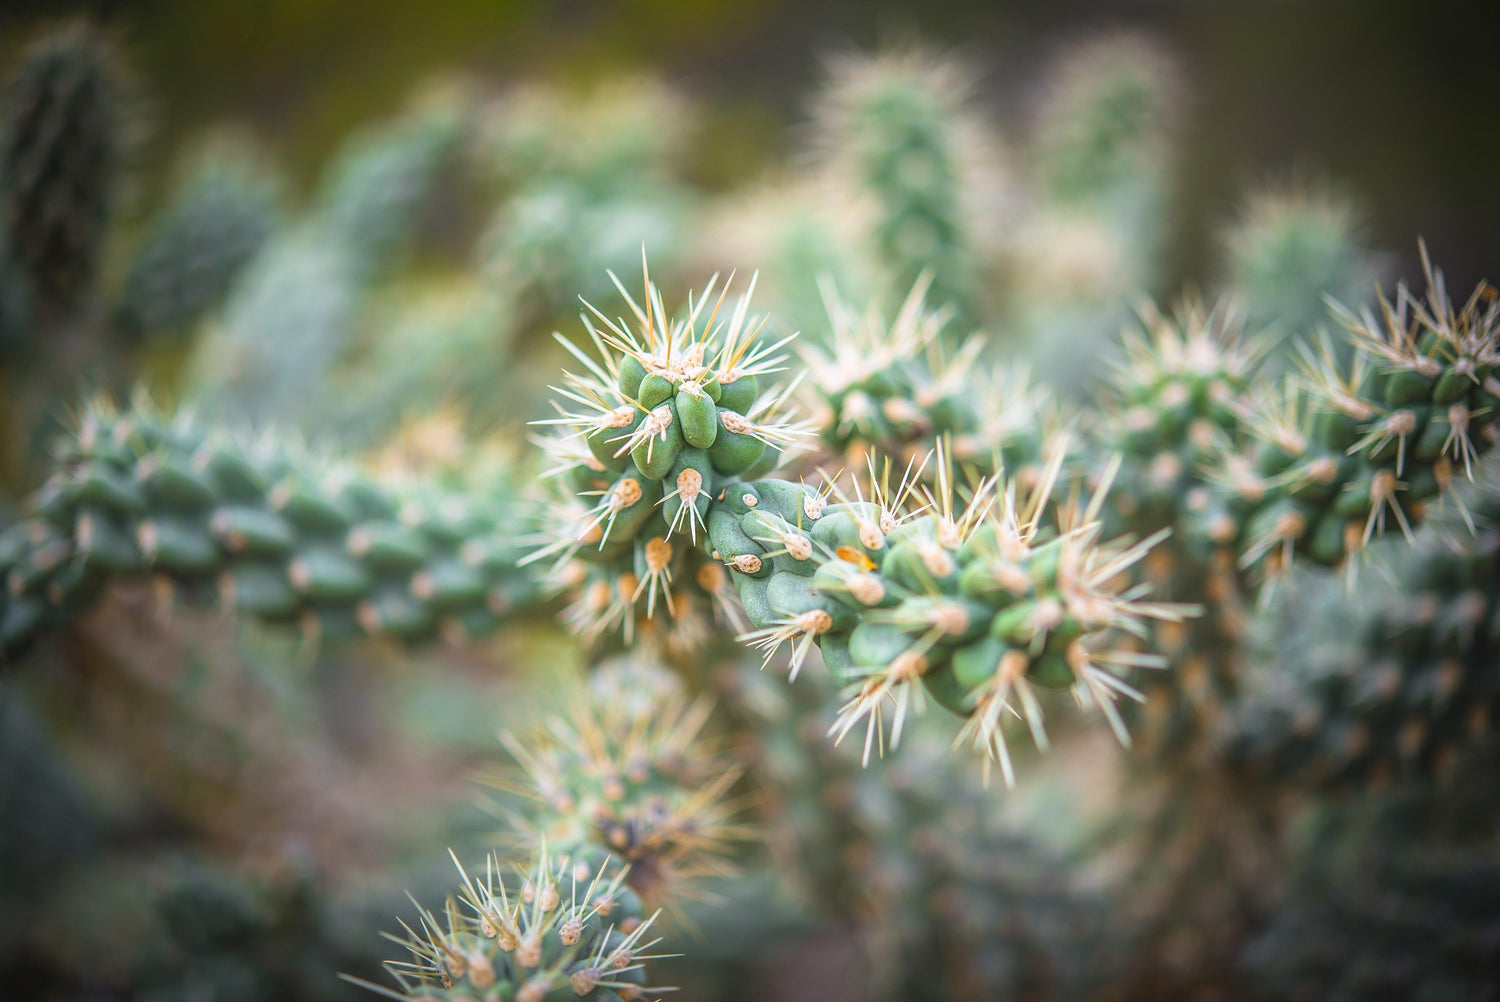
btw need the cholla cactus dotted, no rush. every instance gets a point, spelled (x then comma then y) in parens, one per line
(1367, 445)
(372, 197)
(219, 217)
(594, 177)
(276, 535)
(1291, 246)
(1176, 388)
(667, 416)
(897, 129)
(941, 529)
(288, 319)
(627, 773)
(973, 605)
(61, 142)
(1394, 897)
(1099, 160)
(1104, 128)
(620, 134)
(1316, 470)
(948, 897)
(559, 928)
(438, 346)
(1397, 686)
(891, 390)
(799, 233)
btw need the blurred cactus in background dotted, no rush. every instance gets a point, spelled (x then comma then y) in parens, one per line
(221, 214)
(289, 319)
(1100, 162)
(850, 479)
(1291, 247)
(64, 137)
(589, 178)
(901, 132)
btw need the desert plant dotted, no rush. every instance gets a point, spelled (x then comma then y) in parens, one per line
(894, 510)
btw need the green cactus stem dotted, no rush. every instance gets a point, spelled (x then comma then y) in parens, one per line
(272, 534)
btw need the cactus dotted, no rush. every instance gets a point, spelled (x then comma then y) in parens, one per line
(949, 901)
(405, 369)
(1393, 898)
(1102, 133)
(660, 426)
(61, 142)
(887, 389)
(563, 927)
(1420, 922)
(288, 319)
(277, 536)
(371, 199)
(1099, 162)
(1291, 246)
(799, 234)
(594, 178)
(1316, 470)
(220, 216)
(1367, 446)
(628, 774)
(1175, 389)
(1398, 686)
(898, 130)
(973, 607)
(892, 514)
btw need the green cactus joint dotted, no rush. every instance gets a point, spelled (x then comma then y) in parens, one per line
(628, 774)
(558, 928)
(656, 428)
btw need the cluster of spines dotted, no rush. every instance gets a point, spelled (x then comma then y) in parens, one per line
(891, 389)
(1350, 452)
(1248, 478)
(1176, 389)
(271, 534)
(1177, 386)
(973, 606)
(558, 929)
(660, 422)
(627, 772)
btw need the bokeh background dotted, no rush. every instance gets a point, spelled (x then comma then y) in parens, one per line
(1395, 100)
(354, 226)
